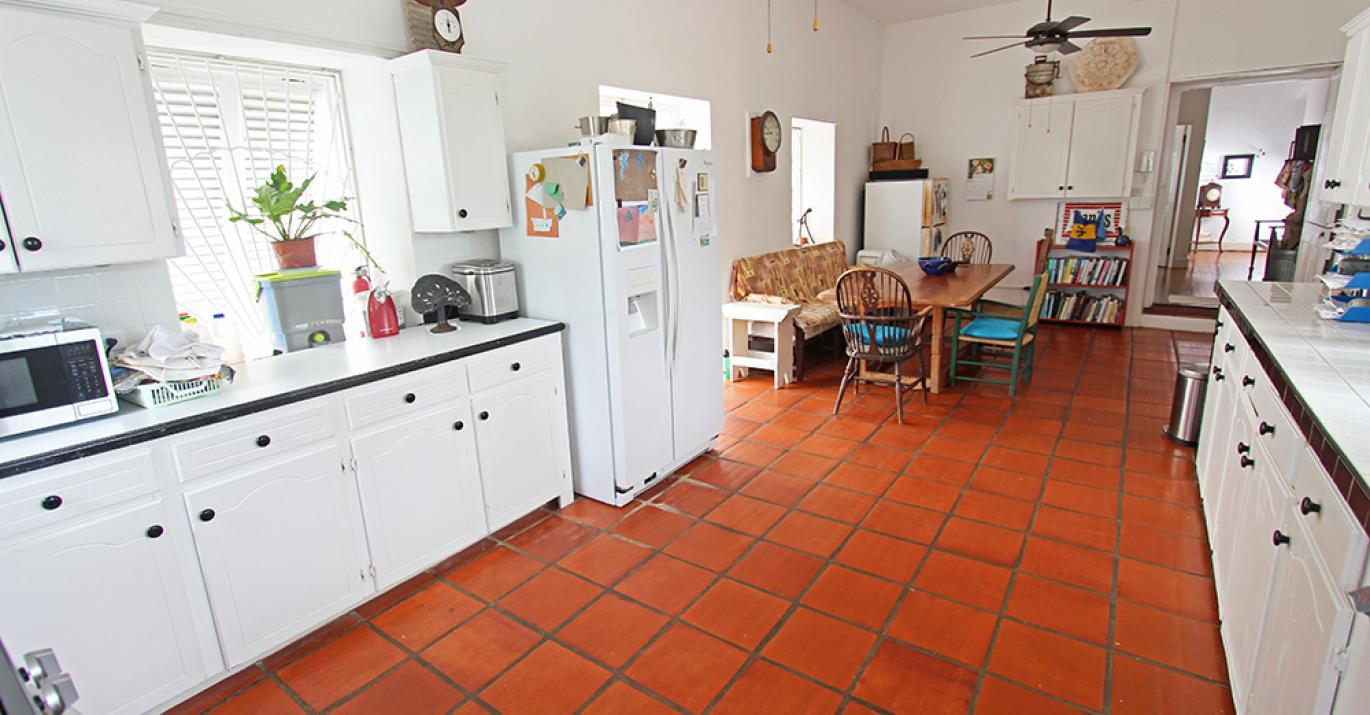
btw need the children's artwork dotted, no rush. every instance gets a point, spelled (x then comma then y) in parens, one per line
(542, 221)
(646, 225)
(571, 175)
(980, 179)
(634, 174)
(627, 225)
(705, 225)
(1102, 220)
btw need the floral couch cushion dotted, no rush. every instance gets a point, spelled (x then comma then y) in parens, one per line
(798, 275)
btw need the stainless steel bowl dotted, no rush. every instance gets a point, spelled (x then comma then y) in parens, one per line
(676, 138)
(593, 126)
(624, 127)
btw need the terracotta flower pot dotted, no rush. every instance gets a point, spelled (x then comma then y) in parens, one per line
(295, 254)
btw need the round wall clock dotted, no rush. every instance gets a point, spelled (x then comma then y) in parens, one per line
(766, 139)
(447, 30)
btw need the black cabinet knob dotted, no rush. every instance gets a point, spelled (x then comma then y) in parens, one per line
(207, 515)
(1070, 188)
(155, 531)
(1279, 538)
(516, 367)
(264, 441)
(1266, 428)
(1248, 462)
(484, 416)
(1243, 448)
(1229, 347)
(1308, 506)
(2, 246)
(1218, 375)
(1062, 187)
(1248, 381)
(458, 425)
(1218, 324)
(462, 213)
(410, 397)
(51, 502)
(32, 243)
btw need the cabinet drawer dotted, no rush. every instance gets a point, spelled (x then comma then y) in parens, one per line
(508, 364)
(403, 395)
(57, 494)
(252, 438)
(1337, 536)
(1274, 428)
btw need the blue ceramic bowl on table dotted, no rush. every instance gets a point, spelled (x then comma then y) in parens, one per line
(936, 265)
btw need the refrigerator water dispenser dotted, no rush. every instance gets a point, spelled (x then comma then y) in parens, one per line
(643, 291)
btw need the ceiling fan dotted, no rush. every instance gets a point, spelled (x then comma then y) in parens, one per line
(1056, 36)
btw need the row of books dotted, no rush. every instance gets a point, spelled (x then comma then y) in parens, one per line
(1081, 306)
(1109, 272)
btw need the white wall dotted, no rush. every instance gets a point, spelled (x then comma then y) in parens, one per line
(1222, 37)
(1255, 119)
(1193, 110)
(959, 108)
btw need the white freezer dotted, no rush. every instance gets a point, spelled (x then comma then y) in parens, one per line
(905, 216)
(643, 351)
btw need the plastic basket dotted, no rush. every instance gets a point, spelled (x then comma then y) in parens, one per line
(161, 394)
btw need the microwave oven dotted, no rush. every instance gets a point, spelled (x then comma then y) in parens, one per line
(52, 374)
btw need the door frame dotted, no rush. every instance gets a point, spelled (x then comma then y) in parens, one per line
(1162, 227)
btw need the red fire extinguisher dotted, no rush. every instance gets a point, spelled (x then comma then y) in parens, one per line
(381, 315)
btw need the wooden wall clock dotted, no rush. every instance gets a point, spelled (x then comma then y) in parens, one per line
(766, 136)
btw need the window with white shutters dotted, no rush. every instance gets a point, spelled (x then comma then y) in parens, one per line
(227, 123)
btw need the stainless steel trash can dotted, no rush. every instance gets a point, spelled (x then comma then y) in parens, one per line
(1187, 406)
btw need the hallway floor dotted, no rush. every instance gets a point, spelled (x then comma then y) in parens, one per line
(1206, 268)
(1042, 555)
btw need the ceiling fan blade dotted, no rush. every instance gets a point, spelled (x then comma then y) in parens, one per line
(1114, 32)
(1070, 23)
(1068, 48)
(995, 37)
(998, 49)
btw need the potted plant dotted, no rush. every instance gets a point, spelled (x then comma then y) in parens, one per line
(288, 222)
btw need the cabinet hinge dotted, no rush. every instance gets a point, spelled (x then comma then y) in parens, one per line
(362, 573)
(352, 462)
(1340, 660)
(142, 65)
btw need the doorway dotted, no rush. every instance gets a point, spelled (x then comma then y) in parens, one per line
(813, 180)
(1242, 158)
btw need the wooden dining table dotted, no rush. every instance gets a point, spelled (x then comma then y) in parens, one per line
(959, 289)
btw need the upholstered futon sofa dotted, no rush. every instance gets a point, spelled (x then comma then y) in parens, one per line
(807, 276)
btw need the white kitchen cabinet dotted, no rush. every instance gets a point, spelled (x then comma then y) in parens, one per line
(108, 595)
(420, 490)
(1309, 620)
(8, 263)
(520, 441)
(1075, 146)
(452, 133)
(1344, 169)
(281, 548)
(82, 168)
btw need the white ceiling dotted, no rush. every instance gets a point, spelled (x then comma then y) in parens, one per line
(892, 11)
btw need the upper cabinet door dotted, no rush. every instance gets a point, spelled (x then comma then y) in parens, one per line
(1346, 151)
(1041, 149)
(8, 263)
(81, 163)
(1101, 143)
(453, 138)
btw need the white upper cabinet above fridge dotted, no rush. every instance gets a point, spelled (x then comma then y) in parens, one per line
(82, 169)
(453, 140)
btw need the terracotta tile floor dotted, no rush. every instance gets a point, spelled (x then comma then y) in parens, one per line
(1042, 555)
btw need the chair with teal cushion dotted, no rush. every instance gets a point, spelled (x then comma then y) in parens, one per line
(996, 333)
(881, 326)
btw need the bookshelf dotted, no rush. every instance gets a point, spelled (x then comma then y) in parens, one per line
(1088, 288)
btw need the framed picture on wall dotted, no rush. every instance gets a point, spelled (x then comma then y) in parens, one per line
(1238, 166)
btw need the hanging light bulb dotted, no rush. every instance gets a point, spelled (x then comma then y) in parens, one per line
(815, 15)
(770, 48)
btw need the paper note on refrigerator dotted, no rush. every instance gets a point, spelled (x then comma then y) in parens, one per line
(571, 176)
(646, 225)
(705, 224)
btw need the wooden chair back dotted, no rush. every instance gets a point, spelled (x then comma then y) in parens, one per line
(968, 247)
(879, 321)
(1038, 294)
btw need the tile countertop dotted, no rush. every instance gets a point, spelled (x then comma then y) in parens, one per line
(264, 384)
(1327, 363)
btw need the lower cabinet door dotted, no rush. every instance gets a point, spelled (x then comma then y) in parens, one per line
(519, 448)
(420, 490)
(281, 549)
(1226, 490)
(1215, 445)
(109, 597)
(1308, 621)
(1251, 568)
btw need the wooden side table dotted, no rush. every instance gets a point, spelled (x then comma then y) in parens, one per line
(737, 322)
(1202, 213)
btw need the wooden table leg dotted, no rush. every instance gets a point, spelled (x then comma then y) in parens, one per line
(939, 317)
(784, 353)
(1227, 222)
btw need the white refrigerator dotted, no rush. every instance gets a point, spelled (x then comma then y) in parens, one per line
(643, 324)
(906, 217)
